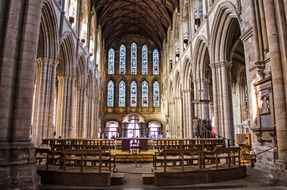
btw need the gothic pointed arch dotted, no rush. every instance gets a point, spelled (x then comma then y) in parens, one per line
(48, 45)
(224, 16)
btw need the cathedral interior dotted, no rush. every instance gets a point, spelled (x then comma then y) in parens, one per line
(188, 82)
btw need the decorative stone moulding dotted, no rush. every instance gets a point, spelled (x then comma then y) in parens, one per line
(264, 135)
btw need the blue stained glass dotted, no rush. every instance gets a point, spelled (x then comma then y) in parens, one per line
(122, 94)
(110, 94)
(111, 61)
(134, 58)
(144, 60)
(156, 94)
(133, 96)
(122, 59)
(144, 94)
(155, 62)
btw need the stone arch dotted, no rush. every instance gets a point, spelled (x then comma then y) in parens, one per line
(187, 97)
(89, 105)
(64, 87)
(224, 15)
(81, 72)
(178, 106)
(200, 49)
(43, 98)
(66, 55)
(48, 35)
(224, 40)
(186, 69)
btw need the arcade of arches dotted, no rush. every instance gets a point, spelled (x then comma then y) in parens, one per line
(146, 68)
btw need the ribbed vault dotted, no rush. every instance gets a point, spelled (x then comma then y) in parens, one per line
(150, 18)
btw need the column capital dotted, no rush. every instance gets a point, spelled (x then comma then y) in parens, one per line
(65, 77)
(225, 63)
(46, 60)
(185, 91)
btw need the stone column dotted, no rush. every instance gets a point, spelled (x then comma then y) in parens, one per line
(187, 113)
(20, 24)
(95, 118)
(171, 119)
(44, 95)
(80, 112)
(215, 93)
(204, 96)
(178, 111)
(226, 99)
(89, 103)
(64, 107)
(277, 81)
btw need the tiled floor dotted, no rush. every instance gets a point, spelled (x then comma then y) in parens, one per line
(255, 179)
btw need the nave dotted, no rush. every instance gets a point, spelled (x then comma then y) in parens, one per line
(185, 85)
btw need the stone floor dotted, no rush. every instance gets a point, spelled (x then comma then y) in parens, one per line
(256, 179)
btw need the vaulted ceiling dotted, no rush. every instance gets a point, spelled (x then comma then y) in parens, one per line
(150, 18)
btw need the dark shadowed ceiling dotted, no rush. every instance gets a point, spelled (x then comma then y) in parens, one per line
(150, 18)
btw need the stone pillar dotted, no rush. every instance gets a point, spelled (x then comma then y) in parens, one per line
(95, 127)
(205, 97)
(80, 113)
(215, 99)
(171, 119)
(44, 94)
(64, 107)
(20, 24)
(226, 99)
(196, 97)
(89, 103)
(187, 113)
(277, 81)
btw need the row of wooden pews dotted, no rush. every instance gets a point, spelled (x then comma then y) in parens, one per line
(76, 153)
(193, 152)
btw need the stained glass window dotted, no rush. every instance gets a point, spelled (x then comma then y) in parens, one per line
(110, 94)
(156, 94)
(122, 94)
(144, 94)
(133, 94)
(155, 62)
(111, 61)
(134, 58)
(144, 60)
(122, 59)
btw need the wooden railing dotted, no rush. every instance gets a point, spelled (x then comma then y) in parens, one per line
(76, 152)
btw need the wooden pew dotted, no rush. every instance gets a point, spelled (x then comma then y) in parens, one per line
(229, 154)
(85, 158)
(183, 156)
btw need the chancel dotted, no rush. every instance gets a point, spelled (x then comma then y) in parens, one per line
(143, 94)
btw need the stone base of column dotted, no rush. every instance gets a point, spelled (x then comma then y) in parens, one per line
(279, 173)
(18, 169)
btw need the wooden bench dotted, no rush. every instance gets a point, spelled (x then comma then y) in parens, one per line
(84, 158)
(184, 157)
(229, 154)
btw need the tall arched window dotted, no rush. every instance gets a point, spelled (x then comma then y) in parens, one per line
(156, 94)
(144, 94)
(155, 62)
(134, 58)
(144, 60)
(110, 94)
(122, 59)
(122, 94)
(133, 96)
(111, 61)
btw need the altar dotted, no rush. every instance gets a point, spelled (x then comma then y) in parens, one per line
(140, 143)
